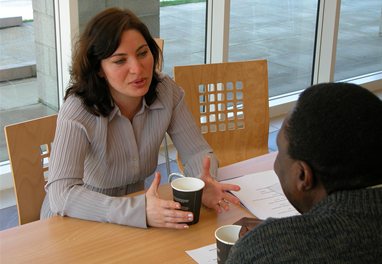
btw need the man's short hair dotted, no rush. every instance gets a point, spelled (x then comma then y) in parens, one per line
(337, 129)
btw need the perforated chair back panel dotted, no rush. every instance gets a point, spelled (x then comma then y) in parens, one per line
(229, 102)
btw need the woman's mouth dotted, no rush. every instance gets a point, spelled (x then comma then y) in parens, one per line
(138, 82)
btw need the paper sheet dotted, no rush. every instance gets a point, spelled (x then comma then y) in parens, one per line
(262, 195)
(204, 255)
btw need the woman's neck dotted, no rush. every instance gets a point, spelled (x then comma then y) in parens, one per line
(129, 108)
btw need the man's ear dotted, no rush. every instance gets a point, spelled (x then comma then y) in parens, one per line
(306, 178)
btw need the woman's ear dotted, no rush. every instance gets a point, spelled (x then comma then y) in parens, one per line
(306, 178)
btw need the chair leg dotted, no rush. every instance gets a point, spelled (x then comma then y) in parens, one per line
(167, 155)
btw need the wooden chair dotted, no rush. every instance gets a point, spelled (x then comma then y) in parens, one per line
(29, 145)
(160, 43)
(229, 102)
(29, 149)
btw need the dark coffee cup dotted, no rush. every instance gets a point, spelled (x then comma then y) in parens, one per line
(188, 192)
(226, 236)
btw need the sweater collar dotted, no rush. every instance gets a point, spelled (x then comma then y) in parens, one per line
(363, 201)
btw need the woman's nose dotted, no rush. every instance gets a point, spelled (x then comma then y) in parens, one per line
(135, 66)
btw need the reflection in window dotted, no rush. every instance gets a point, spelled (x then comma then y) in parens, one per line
(183, 28)
(283, 32)
(359, 45)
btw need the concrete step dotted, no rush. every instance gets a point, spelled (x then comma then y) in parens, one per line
(10, 21)
(18, 71)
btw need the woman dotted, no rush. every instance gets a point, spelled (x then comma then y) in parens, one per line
(110, 127)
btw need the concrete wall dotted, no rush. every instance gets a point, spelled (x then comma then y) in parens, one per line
(45, 45)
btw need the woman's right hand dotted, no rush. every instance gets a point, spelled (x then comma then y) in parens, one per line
(164, 213)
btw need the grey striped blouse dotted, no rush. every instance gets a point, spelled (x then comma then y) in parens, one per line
(97, 160)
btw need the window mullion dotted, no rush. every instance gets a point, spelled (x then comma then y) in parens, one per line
(218, 16)
(326, 41)
(67, 28)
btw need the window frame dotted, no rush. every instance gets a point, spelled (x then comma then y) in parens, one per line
(217, 41)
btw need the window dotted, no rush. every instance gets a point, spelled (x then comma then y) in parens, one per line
(28, 75)
(183, 28)
(283, 32)
(359, 45)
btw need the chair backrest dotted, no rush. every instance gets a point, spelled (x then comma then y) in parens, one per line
(160, 43)
(229, 102)
(29, 145)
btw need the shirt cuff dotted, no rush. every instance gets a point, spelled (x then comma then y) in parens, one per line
(129, 211)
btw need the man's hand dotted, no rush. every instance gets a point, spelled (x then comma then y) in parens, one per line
(247, 224)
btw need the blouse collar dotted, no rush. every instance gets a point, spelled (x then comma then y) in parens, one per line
(157, 104)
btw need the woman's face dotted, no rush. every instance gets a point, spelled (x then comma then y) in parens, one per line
(129, 70)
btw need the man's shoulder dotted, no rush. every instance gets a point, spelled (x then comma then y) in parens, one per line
(259, 244)
(276, 227)
(269, 241)
(325, 234)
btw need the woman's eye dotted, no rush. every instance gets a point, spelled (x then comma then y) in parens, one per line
(143, 53)
(120, 61)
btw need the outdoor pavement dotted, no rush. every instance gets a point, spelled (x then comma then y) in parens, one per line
(12, 8)
(18, 100)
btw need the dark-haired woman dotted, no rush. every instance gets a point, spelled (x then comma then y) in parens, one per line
(110, 127)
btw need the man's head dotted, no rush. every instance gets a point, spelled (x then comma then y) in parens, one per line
(331, 141)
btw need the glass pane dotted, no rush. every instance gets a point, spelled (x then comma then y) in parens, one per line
(283, 32)
(28, 67)
(359, 45)
(183, 27)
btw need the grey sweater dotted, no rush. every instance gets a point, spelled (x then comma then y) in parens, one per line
(346, 227)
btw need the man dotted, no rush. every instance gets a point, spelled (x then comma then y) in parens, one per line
(329, 166)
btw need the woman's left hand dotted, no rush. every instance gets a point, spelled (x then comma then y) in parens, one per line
(215, 194)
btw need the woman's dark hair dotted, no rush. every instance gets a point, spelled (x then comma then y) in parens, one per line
(337, 129)
(99, 40)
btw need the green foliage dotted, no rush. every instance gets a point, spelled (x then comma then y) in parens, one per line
(178, 2)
